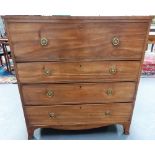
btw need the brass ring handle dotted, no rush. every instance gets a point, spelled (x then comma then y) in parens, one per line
(43, 41)
(52, 115)
(47, 72)
(50, 93)
(109, 92)
(115, 41)
(113, 70)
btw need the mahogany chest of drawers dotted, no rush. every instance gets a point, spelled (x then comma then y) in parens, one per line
(77, 73)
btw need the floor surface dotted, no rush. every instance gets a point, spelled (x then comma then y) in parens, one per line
(12, 122)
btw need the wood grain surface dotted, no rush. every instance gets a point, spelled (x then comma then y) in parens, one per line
(78, 90)
(96, 71)
(77, 41)
(78, 114)
(78, 93)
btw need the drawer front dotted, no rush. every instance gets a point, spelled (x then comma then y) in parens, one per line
(79, 114)
(50, 94)
(47, 72)
(77, 41)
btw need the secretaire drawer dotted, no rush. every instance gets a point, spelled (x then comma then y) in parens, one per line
(50, 94)
(92, 40)
(78, 114)
(54, 72)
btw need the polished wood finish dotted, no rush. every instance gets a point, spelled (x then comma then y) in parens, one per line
(84, 114)
(78, 93)
(85, 19)
(77, 73)
(126, 127)
(77, 41)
